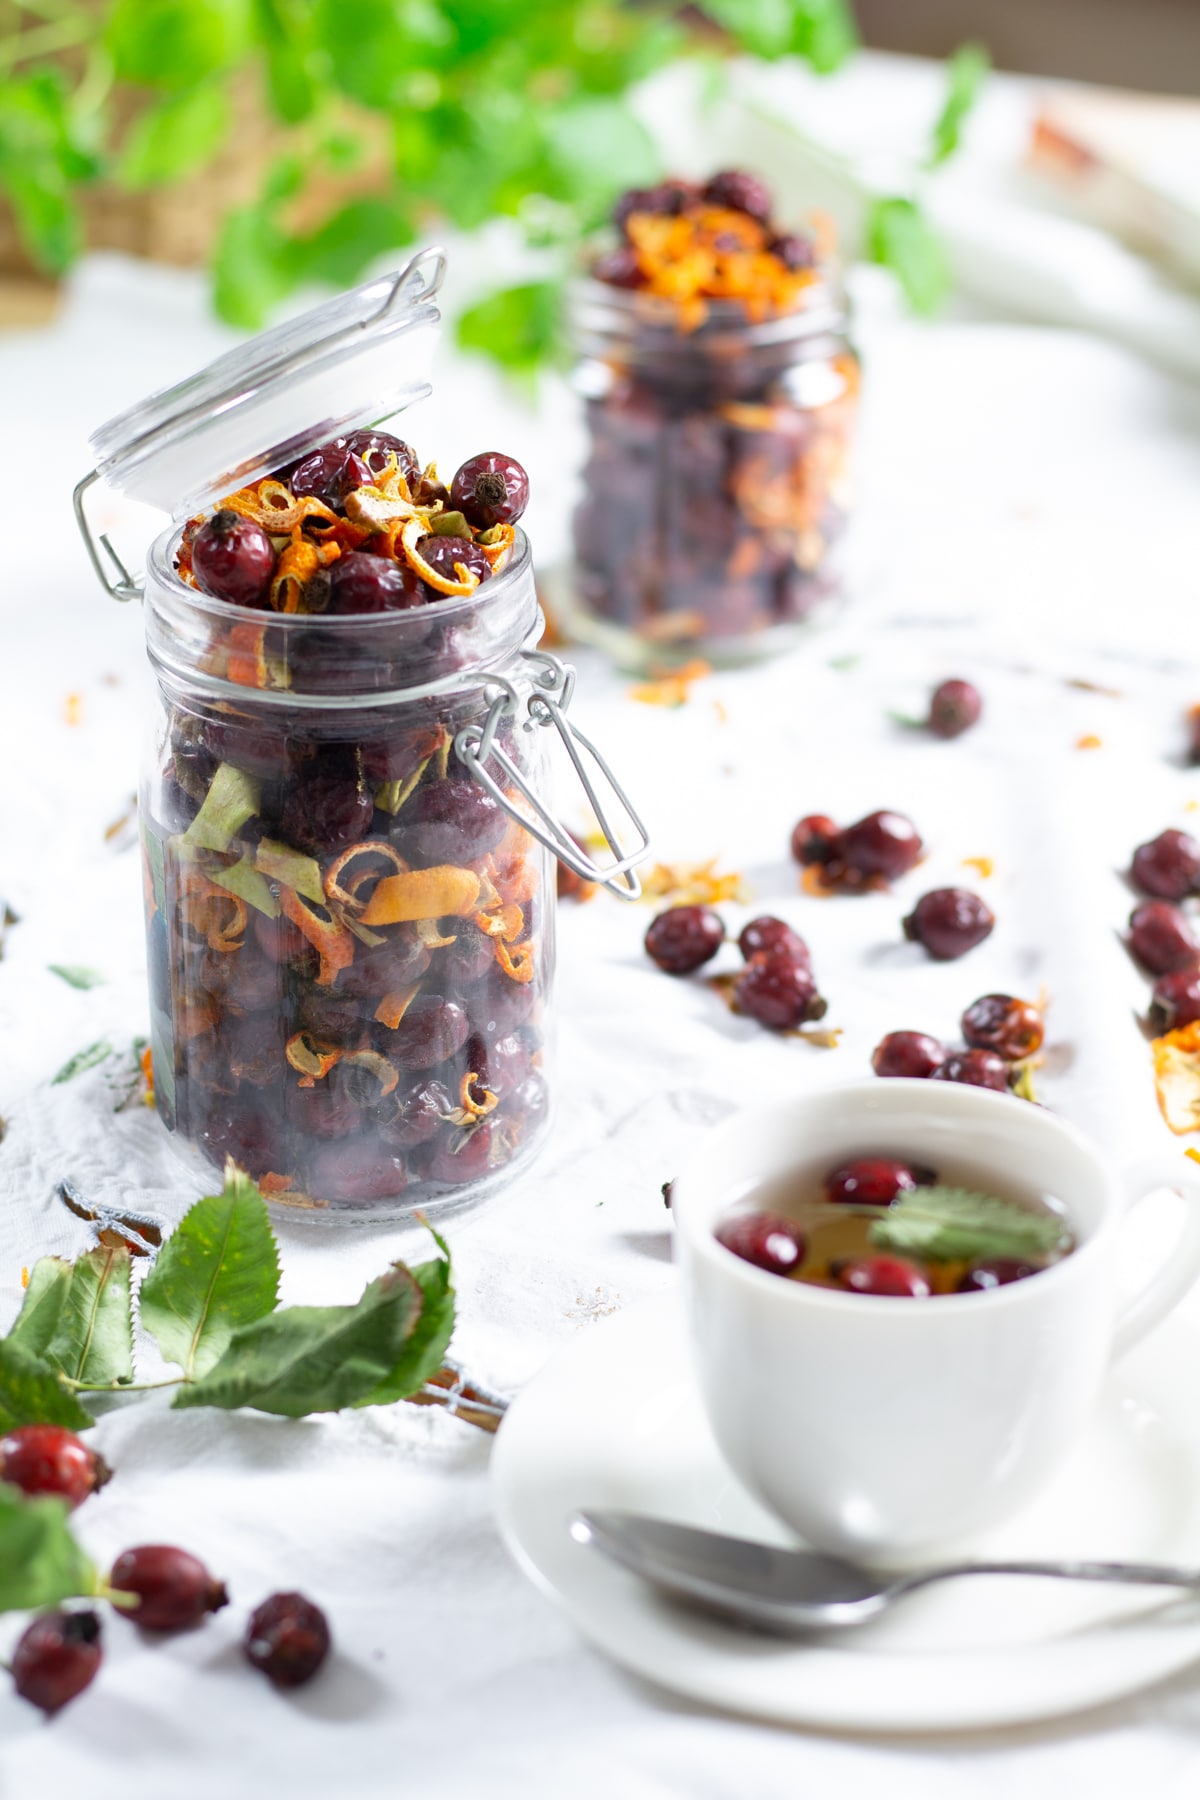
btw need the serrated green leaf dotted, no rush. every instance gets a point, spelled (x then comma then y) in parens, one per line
(174, 136)
(900, 237)
(77, 976)
(83, 1060)
(309, 1359)
(176, 43)
(966, 72)
(946, 1224)
(217, 1272)
(35, 1324)
(93, 1337)
(425, 1351)
(232, 798)
(40, 1562)
(32, 1394)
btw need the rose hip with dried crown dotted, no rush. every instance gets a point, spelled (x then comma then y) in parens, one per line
(56, 1657)
(490, 489)
(288, 1639)
(954, 706)
(974, 1068)
(912, 1055)
(890, 1276)
(815, 839)
(884, 843)
(874, 1181)
(1013, 1028)
(1161, 938)
(49, 1459)
(1175, 1000)
(683, 938)
(771, 1241)
(766, 935)
(949, 922)
(173, 1587)
(1168, 866)
(778, 992)
(233, 559)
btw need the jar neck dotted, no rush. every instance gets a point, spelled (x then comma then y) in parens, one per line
(308, 662)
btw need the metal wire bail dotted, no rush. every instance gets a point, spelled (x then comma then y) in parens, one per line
(554, 685)
(112, 574)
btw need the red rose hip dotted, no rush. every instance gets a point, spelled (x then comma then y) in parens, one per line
(949, 922)
(954, 706)
(770, 1241)
(1161, 939)
(884, 843)
(56, 1657)
(767, 936)
(889, 1276)
(1175, 1000)
(684, 938)
(288, 1639)
(1013, 1028)
(778, 992)
(233, 559)
(490, 489)
(173, 1587)
(815, 839)
(874, 1181)
(999, 1271)
(48, 1459)
(1168, 866)
(907, 1054)
(974, 1068)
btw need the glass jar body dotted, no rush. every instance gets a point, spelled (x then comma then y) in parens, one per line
(716, 486)
(350, 942)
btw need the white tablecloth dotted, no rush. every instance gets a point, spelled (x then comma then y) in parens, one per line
(1029, 519)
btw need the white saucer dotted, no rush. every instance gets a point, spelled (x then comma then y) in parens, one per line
(615, 1420)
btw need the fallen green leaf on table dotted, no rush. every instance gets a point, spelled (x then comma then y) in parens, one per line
(77, 976)
(947, 1224)
(83, 1060)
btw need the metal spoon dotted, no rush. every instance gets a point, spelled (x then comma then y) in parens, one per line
(787, 1591)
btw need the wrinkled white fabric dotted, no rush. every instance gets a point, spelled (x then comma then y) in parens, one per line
(1029, 520)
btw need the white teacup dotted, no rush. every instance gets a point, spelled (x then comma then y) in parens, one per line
(892, 1430)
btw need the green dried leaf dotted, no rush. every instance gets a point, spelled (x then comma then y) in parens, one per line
(174, 136)
(232, 798)
(309, 1359)
(77, 976)
(38, 1318)
(32, 1394)
(966, 72)
(425, 1351)
(900, 237)
(282, 863)
(243, 879)
(40, 1562)
(93, 1337)
(946, 1224)
(217, 1272)
(83, 1060)
(450, 524)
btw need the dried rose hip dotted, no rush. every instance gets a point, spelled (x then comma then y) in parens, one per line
(375, 449)
(1168, 866)
(173, 1587)
(1161, 938)
(770, 1241)
(56, 1657)
(49, 1459)
(490, 489)
(949, 922)
(765, 936)
(741, 192)
(874, 1181)
(233, 559)
(911, 1054)
(444, 553)
(890, 1276)
(1013, 1028)
(684, 938)
(1175, 1000)
(999, 1271)
(329, 474)
(794, 251)
(361, 583)
(619, 268)
(288, 1639)
(954, 706)
(884, 843)
(815, 839)
(974, 1068)
(778, 992)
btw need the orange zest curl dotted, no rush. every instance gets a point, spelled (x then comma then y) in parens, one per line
(394, 1005)
(295, 569)
(311, 1057)
(346, 889)
(274, 506)
(328, 936)
(212, 912)
(247, 663)
(501, 921)
(385, 1073)
(413, 532)
(442, 892)
(516, 960)
(710, 253)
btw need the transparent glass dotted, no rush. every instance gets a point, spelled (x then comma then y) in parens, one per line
(716, 487)
(351, 944)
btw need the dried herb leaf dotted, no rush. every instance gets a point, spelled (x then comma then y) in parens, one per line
(83, 1060)
(946, 1224)
(76, 976)
(232, 798)
(243, 879)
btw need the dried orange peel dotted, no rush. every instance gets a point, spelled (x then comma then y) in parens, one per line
(328, 936)
(274, 506)
(710, 253)
(441, 892)
(394, 1005)
(1177, 1077)
(311, 1057)
(344, 881)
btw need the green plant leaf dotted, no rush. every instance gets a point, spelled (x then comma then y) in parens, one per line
(174, 136)
(340, 249)
(177, 43)
(764, 27)
(254, 267)
(93, 1336)
(218, 1271)
(824, 33)
(900, 237)
(83, 1060)
(966, 72)
(76, 976)
(946, 1224)
(40, 1562)
(309, 1359)
(516, 326)
(597, 147)
(32, 1394)
(35, 1324)
(42, 154)
(425, 1351)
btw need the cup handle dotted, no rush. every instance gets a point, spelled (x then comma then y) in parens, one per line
(1167, 1287)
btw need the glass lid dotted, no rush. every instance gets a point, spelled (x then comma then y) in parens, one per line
(351, 362)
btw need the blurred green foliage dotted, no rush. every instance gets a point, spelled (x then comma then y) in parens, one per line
(484, 108)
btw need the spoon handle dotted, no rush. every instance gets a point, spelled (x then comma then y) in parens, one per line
(1142, 1574)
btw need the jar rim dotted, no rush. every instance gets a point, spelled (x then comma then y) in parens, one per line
(826, 308)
